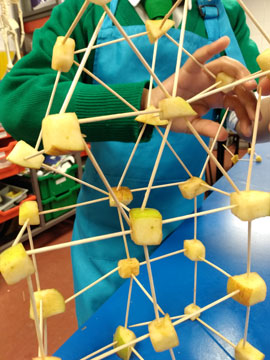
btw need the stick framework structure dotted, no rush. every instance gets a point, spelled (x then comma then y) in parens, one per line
(122, 209)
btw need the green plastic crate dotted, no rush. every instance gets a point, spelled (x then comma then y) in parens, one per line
(55, 202)
(56, 184)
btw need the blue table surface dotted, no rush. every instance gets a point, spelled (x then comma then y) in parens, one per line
(225, 238)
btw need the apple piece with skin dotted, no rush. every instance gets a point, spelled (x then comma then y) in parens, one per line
(123, 336)
(123, 194)
(192, 187)
(21, 151)
(190, 309)
(225, 80)
(15, 264)
(175, 107)
(53, 303)
(252, 288)
(258, 159)
(247, 352)
(235, 159)
(263, 60)
(250, 204)
(194, 249)
(162, 334)
(154, 31)
(146, 226)
(128, 267)
(151, 119)
(29, 210)
(67, 128)
(63, 54)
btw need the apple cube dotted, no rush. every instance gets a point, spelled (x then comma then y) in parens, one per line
(194, 249)
(21, 151)
(29, 210)
(162, 334)
(175, 107)
(263, 60)
(123, 336)
(190, 309)
(192, 187)
(235, 159)
(15, 264)
(128, 267)
(151, 119)
(258, 159)
(53, 303)
(247, 352)
(225, 80)
(61, 134)
(146, 226)
(250, 204)
(154, 31)
(63, 54)
(123, 194)
(252, 288)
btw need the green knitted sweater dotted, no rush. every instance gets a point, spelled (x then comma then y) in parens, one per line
(26, 90)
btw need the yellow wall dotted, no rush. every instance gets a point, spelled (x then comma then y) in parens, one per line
(3, 62)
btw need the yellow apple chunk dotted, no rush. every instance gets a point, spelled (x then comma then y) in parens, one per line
(263, 60)
(190, 309)
(21, 151)
(146, 226)
(29, 210)
(154, 31)
(225, 80)
(250, 204)
(175, 107)
(123, 194)
(61, 134)
(151, 119)
(192, 187)
(252, 288)
(258, 159)
(15, 264)
(194, 249)
(235, 159)
(63, 54)
(162, 334)
(53, 303)
(247, 352)
(123, 336)
(128, 267)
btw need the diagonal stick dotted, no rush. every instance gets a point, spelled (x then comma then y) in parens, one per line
(216, 189)
(216, 332)
(30, 238)
(137, 354)
(20, 234)
(228, 150)
(214, 266)
(169, 13)
(164, 256)
(76, 20)
(99, 351)
(128, 302)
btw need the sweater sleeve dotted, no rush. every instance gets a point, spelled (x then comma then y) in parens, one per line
(26, 90)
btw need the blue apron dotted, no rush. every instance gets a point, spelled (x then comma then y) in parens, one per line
(92, 261)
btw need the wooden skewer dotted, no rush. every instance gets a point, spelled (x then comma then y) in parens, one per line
(169, 13)
(228, 150)
(153, 69)
(21, 232)
(223, 171)
(30, 238)
(246, 326)
(148, 322)
(151, 281)
(45, 336)
(195, 217)
(136, 353)
(195, 282)
(229, 86)
(253, 19)
(224, 298)
(76, 20)
(202, 213)
(82, 65)
(158, 186)
(254, 138)
(49, 106)
(73, 206)
(216, 189)
(172, 354)
(136, 51)
(91, 285)
(112, 42)
(99, 351)
(215, 266)
(164, 256)
(202, 66)
(249, 248)
(123, 229)
(147, 294)
(117, 116)
(41, 323)
(75, 243)
(174, 152)
(128, 302)
(107, 87)
(41, 152)
(50, 168)
(216, 332)
(105, 182)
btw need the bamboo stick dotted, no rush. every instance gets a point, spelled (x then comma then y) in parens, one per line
(215, 266)
(249, 248)
(216, 332)
(158, 186)
(195, 217)
(228, 150)
(76, 20)
(216, 189)
(31, 242)
(99, 351)
(195, 282)
(169, 13)
(164, 256)
(128, 302)
(246, 326)
(172, 354)
(21, 232)
(123, 229)
(41, 152)
(136, 353)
